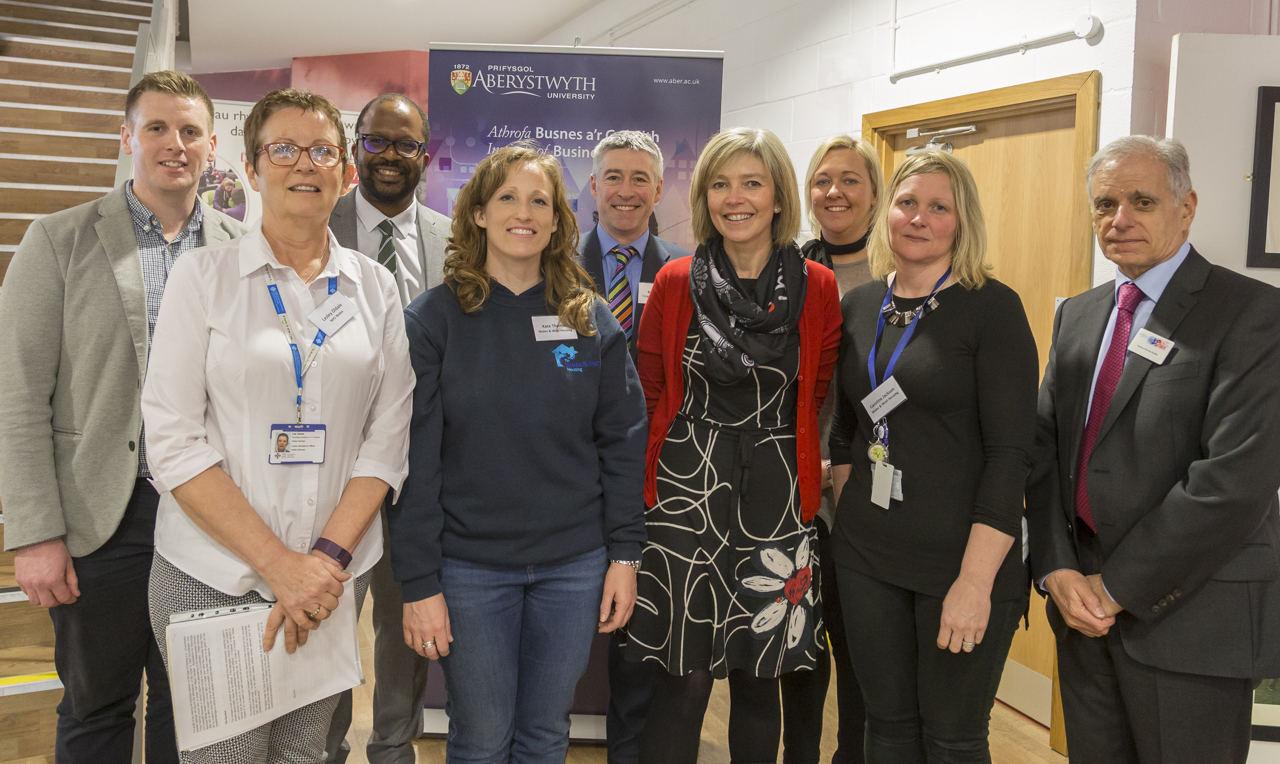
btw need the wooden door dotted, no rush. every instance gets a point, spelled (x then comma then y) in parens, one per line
(1028, 153)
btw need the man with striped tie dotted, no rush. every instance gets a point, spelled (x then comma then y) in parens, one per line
(623, 256)
(384, 221)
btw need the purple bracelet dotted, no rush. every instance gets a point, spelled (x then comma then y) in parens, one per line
(342, 556)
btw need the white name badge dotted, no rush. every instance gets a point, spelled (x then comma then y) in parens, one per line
(297, 444)
(333, 314)
(548, 328)
(645, 288)
(1150, 346)
(886, 484)
(885, 398)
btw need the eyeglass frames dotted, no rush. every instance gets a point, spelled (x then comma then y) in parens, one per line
(376, 144)
(287, 154)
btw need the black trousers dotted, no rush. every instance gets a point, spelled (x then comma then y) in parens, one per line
(1119, 711)
(631, 687)
(105, 643)
(804, 693)
(924, 704)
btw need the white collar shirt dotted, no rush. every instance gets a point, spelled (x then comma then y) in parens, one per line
(222, 373)
(410, 279)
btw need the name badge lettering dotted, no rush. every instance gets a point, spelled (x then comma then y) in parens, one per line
(333, 314)
(645, 288)
(885, 398)
(1151, 346)
(549, 328)
(297, 444)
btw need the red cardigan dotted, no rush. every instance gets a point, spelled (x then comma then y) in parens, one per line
(664, 328)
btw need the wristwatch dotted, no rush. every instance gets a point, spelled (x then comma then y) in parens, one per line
(634, 564)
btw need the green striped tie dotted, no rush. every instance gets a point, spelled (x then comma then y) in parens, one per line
(387, 249)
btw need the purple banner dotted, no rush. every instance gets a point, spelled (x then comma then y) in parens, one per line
(482, 100)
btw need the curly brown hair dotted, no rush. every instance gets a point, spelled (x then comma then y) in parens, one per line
(570, 292)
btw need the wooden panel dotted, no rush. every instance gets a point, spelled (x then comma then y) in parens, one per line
(43, 202)
(26, 659)
(66, 53)
(61, 173)
(28, 29)
(71, 121)
(1036, 648)
(142, 12)
(86, 99)
(1058, 727)
(30, 723)
(70, 16)
(11, 232)
(5, 257)
(57, 146)
(65, 75)
(25, 625)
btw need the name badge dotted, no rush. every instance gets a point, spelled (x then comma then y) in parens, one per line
(885, 398)
(886, 484)
(548, 328)
(333, 314)
(1150, 346)
(645, 288)
(297, 444)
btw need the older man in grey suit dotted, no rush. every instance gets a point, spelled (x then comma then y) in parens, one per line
(78, 310)
(384, 220)
(1154, 522)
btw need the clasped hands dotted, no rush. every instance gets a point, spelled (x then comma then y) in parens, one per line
(1083, 601)
(307, 588)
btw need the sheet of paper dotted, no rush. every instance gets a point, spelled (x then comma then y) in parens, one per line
(223, 684)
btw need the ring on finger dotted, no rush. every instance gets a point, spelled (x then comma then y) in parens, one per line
(312, 615)
(430, 643)
(967, 646)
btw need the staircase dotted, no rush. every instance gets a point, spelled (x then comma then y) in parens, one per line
(64, 72)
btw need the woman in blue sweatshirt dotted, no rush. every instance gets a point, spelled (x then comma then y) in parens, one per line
(518, 532)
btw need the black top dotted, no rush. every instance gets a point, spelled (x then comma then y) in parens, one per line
(521, 451)
(962, 439)
(765, 400)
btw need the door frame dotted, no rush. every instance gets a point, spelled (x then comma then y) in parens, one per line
(1084, 90)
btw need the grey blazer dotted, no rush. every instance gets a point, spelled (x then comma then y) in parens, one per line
(74, 343)
(433, 231)
(1183, 476)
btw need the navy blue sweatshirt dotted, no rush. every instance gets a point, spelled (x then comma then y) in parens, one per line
(521, 451)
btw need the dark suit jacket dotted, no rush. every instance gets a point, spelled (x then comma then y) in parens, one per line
(1183, 477)
(657, 253)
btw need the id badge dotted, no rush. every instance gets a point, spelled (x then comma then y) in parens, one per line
(297, 444)
(885, 398)
(886, 484)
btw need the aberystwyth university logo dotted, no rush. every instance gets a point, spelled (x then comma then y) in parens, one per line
(460, 79)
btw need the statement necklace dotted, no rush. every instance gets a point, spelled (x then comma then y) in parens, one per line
(905, 317)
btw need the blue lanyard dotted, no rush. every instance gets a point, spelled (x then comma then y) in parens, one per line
(300, 366)
(906, 336)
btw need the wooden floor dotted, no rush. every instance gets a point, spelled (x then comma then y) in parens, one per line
(1015, 739)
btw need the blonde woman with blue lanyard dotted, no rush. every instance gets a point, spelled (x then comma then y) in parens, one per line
(277, 410)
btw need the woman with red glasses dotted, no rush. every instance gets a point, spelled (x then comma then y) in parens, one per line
(277, 405)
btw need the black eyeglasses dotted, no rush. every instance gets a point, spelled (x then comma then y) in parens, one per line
(376, 144)
(287, 154)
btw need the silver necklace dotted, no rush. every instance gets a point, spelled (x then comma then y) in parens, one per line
(905, 317)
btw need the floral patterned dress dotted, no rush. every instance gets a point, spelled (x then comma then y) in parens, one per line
(729, 577)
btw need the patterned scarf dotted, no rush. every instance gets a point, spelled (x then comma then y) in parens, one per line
(739, 334)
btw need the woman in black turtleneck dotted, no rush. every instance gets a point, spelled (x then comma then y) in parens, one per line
(844, 183)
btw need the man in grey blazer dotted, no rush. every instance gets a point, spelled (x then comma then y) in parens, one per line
(383, 220)
(78, 309)
(623, 257)
(1152, 502)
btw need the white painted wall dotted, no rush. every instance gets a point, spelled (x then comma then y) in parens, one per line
(807, 69)
(1213, 108)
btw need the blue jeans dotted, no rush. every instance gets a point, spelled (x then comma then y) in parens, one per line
(521, 640)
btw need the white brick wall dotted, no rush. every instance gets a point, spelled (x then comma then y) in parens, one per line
(808, 69)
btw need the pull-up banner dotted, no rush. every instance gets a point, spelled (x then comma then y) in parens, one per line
(483, 97)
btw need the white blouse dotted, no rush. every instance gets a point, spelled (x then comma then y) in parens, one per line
(221, 374)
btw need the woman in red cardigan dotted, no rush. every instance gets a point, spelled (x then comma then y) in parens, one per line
(737, 346)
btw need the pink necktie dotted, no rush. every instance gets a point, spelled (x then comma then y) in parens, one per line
(1108, 378)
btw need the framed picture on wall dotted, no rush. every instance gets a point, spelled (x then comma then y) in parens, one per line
(1264, 207)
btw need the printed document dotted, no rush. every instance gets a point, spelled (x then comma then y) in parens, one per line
(223, 684)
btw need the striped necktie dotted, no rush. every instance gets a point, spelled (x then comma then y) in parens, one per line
(620, 289)
(387, 249)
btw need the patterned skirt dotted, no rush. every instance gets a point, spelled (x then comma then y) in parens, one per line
(730, 575)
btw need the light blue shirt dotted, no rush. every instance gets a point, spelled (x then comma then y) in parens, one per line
(609, 263)
(1152, 283)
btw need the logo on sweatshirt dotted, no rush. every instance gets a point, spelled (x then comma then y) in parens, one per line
(565, 355)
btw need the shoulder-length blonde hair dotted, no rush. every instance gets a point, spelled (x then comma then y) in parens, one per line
(969, 250)
(875, 174)
(765, 146)
(570, 292)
